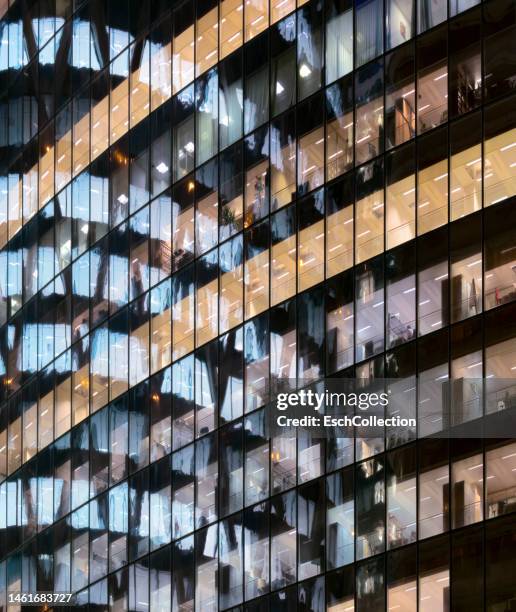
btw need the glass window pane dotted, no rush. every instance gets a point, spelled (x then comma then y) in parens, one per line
(257, 176)
(402, 580)
(183, 47)
(207, 298)
(283, 540)
(182, 313)
(256, 270)
(431, 13)
(183, 478)
(311, 240)
(310, 171)
(207, 113)
(283, 64)
(283, 161)
(231, 283)
(230, 98)
(432, 182)
(400, 20)
(339, 128)
(339, 39)
(500, 479)
(256, 551)
(369, 25)
(465, 270)
(206, 44)
(256, 15)
(257, 455)
(467, 487)
(369, 211)
(370, 508)
(231, 558)
(433, 488)
(369, 296)
(499, 260)
(339, 225)
(434, 577)
(432, 83)
(400, 97)
(309, 49)
(283, 255)
(368, 112)
(499, 153)
(183, 147)
(401, 296)
(465, 167)
(401, 497)
(230, 26)
(340, 519)
(183, 401)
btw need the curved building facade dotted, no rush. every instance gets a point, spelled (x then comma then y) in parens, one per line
(202, 202)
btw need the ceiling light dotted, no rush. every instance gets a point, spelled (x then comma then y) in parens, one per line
(162, 168)
(304, 71)
(122, 198)
(279, 88)
(189, 147)
(474, 365)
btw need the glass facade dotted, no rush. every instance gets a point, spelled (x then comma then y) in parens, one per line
(203, 201)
